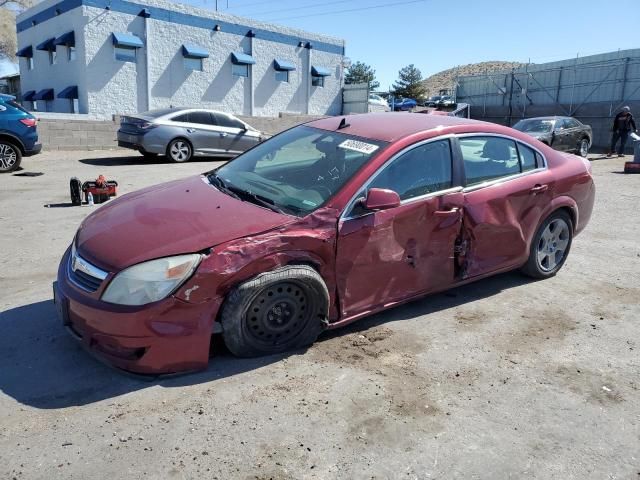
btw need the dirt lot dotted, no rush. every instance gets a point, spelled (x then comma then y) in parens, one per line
(507, 378)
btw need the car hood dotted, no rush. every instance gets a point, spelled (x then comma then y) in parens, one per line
(182, 216)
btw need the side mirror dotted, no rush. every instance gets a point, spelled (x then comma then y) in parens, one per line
(381, 199)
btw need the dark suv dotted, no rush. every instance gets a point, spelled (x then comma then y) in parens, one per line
(18, 134)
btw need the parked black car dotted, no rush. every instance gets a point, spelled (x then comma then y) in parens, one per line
(561, 133)
(432, 101)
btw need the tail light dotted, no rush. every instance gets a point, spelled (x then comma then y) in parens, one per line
(147, 125)
(29, 122)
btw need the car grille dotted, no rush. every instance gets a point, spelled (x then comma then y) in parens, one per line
(85, 275)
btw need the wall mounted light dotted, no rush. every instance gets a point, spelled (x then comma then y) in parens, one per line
(216, 28)
(145, 13)
(251, 34)
(301, 44)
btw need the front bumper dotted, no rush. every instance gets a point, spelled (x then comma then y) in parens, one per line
(164, 337)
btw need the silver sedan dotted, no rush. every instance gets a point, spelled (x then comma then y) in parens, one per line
(181, 134)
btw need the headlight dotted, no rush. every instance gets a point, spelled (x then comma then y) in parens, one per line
(150, 281)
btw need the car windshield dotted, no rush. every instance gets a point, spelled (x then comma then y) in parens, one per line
(297, 171)
(534, 125)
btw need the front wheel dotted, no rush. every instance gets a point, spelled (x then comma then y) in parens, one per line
(583, 147)
(179, 151)
(275, 312)
(10, 157)
(550, 246)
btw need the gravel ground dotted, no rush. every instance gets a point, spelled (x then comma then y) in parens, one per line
(506, 378)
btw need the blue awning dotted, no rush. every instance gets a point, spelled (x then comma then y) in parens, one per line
(126, 40)
(46, 94)
(242, 59)
(28, 96)
(69, 92)
(194, 51)
(26, 52)
(320, 72)
(47, 45)
(68, 39)
(283, 65)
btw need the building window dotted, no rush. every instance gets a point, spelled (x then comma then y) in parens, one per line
(191, 63)
(282, 76)
(75, 106)
(71, 53)
(48, 106)
(240, 70)
(29, 63)
(126, 54)
(53, 57)
(317, 81)
(34, 106)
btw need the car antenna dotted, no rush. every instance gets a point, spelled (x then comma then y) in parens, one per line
(343, 123)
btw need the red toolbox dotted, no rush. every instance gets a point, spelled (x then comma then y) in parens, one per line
(101, 189)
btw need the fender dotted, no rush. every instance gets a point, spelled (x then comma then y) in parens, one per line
(14, 138)
(563, 201)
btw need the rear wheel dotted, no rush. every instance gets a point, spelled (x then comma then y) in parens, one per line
(550, 246)
(583, 147)
(10, 157)
(179, 151)
(275, 312)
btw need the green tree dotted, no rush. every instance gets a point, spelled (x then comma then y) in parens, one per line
(8, 11)
(360, 72)
(409, 83)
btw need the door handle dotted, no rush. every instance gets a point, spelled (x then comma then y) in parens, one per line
(191, 130)
(539, 189)
(222, 134)
(447, 213)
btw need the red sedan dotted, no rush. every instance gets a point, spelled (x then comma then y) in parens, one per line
(319, 226)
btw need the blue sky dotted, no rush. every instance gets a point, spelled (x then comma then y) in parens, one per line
(437, 34)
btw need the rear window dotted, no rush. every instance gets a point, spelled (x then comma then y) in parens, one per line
(15, 104)
(158, 113)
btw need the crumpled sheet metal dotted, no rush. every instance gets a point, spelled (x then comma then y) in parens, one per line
(383, 257)
(311, 240)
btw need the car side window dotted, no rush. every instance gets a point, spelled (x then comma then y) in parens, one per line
(422, 170)
(184, 118)
(528, 158)
(228, 122)
(488, 158)
(572, 123)
(202, 118)
(561, 124)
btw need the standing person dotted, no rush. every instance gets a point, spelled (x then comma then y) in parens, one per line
(622, 125)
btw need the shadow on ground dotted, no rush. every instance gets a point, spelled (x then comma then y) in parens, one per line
(41, 366)
(140, 160)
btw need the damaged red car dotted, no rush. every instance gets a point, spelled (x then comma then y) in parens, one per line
(315, 228)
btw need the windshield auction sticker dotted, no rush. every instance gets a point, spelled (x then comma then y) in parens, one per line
(357, 146)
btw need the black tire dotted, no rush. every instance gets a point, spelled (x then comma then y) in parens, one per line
(179, 150)
(10, 157)
(548, 254)
(583, 147)
(274, 312)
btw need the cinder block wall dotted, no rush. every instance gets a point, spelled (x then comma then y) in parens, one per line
(67, 134)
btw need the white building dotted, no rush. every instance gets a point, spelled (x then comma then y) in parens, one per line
(105, 57)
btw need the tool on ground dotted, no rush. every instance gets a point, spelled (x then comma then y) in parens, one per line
(100, 190)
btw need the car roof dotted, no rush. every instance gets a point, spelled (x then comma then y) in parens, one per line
(552, 117)
(392, 126)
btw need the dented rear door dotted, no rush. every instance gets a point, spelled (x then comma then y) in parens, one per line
(500, 214)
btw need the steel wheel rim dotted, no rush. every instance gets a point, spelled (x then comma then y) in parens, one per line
(553, 245)
(179, 151)
(584, 148)
(278, 314)
(8, 156)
